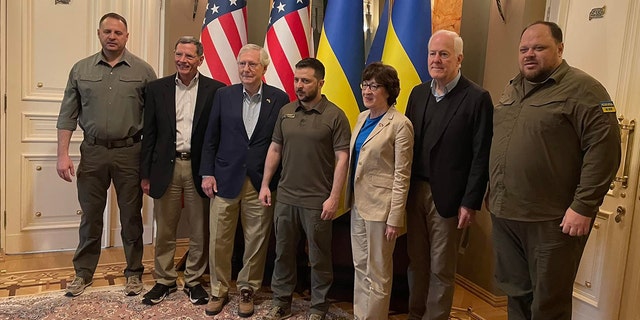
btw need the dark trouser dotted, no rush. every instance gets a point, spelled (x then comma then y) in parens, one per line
(536, 265)
(98, 167)
(289, 221)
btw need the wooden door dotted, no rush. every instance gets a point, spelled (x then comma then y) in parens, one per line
(43, 40)
(601, 38)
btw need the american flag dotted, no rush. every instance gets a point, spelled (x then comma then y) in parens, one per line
(287, 41)
(224, 32)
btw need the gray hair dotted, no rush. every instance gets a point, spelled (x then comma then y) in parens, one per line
(193, 40)
(264, 56)
(457, 40)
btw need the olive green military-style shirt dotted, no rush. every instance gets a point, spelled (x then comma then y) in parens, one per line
(106, 102)
(309, 140)
(554, 147)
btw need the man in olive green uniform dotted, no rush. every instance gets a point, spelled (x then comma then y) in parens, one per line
(555, 151)
(311, 140)
(104, 95)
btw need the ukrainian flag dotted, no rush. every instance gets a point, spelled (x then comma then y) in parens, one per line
(341, 50)
(375, 52)
(406, 44)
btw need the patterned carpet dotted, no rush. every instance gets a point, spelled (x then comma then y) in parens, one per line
(39, 295)
(111, 303)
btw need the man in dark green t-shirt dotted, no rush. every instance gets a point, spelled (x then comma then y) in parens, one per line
(311, 140)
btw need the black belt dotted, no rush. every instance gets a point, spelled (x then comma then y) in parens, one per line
(110, 144)
(183, 155)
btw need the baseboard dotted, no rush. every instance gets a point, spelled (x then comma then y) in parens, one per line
(182, 242)
(486, 296)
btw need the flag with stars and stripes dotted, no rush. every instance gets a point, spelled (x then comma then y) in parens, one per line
(224, 32)
(288, 40)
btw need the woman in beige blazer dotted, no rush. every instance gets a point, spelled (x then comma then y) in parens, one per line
(381, 155)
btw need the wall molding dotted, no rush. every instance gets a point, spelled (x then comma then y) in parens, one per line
(486, 296)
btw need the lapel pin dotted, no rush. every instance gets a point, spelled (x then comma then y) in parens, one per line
(268, 100)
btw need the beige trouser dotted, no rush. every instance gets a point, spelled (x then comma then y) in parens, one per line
(432, 245)
(256, 226)
(168, 211)
(373, 264)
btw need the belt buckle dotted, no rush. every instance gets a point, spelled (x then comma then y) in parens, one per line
(184, 155)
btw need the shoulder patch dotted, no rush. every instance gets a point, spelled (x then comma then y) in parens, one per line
(607, 106)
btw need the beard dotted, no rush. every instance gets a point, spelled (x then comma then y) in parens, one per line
(540, 74)
(537, 76)
(309, 96)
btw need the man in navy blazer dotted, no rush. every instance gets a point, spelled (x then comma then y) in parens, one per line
(176, 114)
(452, 119)
(235, 148)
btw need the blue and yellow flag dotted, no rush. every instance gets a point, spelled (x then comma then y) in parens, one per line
(341, 50)
(377, 46)
(406, 44)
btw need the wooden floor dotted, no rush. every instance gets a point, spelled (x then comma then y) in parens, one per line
(14, 268)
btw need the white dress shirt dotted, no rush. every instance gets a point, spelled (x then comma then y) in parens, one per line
(186, 95)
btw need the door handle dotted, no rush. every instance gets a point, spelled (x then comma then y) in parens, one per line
(620, 212)
(626, 136)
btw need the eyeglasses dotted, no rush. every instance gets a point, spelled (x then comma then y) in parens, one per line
(372, 86)
(252, 65)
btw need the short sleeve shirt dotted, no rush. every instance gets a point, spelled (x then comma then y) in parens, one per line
(309, 140)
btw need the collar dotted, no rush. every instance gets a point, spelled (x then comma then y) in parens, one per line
(448, 87)
(555, 76)
(125, 59)
(318, 107)
(246, 94)
(190, 84)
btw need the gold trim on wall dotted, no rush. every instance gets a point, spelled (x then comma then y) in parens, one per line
(446, 14)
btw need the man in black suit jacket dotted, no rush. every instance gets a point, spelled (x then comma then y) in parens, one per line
(233, 156)
(452, 119)
(176, 115)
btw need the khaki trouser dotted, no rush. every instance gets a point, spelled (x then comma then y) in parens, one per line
(432, 245)
(168, 211)
(373, 264)
(256, 226)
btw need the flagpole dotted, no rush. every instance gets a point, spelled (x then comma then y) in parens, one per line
(312, 44)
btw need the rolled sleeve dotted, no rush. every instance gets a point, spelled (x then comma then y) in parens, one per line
(71, 106)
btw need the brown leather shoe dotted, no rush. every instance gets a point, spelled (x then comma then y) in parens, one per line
(245, 307)
(215, 305)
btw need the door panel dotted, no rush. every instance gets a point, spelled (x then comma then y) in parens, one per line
(46, 39)
(587, 284)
